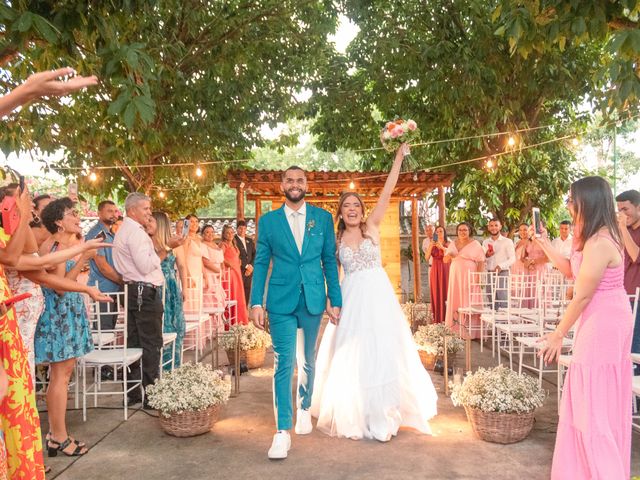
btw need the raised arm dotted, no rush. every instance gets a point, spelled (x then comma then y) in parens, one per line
(377, 214)
(556, 257)
(30, 262)
(10, 255)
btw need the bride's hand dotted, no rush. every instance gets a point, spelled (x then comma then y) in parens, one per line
(403, 151)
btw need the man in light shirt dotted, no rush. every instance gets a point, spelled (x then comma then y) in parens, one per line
(501, 254)
(565, 240)
(136, 260)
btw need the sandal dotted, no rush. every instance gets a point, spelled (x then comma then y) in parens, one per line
(80, 444)
(53, 447)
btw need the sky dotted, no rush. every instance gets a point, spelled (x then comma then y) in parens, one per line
(27, 164)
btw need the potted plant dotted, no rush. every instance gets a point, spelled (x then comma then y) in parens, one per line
(499, 402)
(252, 344)
(189, 399)
(430, 342)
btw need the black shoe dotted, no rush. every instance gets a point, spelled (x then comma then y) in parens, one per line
(133, 400)
(107, 374)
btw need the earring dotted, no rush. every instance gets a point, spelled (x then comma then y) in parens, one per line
(60, 229)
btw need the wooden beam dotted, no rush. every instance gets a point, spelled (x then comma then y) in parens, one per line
(240, 202)
(258, 214)
(442, 212)
(415, 243)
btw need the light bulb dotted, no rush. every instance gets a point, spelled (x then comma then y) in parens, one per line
(511, 141)
(575, 142)
(93, 177)
(489, 163)
(199, 172)
(352, 185)
(161, 194)
(415, 177)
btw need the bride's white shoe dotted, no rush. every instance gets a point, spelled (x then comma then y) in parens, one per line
(303, 422)
(280, 446)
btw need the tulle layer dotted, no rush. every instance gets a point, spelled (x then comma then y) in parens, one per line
(369, 378)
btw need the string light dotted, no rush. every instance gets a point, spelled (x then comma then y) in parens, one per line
(489, 163)
(575, 142)
(199, 172)
(511, 141)
(415, 177)
(352, 185)
(93, 177)
(161, 194)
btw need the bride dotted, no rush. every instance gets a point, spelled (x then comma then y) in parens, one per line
(369, 378)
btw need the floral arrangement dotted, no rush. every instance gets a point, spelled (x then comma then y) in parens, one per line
(431, 339)
(498, 389)
(249, 338)
(190, 388)
(398, 132)
(416, 313)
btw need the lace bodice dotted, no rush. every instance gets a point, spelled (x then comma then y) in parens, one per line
(365, 257)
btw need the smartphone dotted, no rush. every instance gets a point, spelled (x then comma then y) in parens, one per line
(10, 214)
(18, 298)
(537, 222)
(102, 236)
(435, 238)
(21, 182)
(185, 227)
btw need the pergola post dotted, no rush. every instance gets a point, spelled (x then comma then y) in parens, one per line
(442, 213)
(415, 244)
(240, 201)
(258, 213)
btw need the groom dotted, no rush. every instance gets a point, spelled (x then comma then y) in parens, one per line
(300, 241)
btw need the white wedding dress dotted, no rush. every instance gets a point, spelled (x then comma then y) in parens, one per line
(369, 379)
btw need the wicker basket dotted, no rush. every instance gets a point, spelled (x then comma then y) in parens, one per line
(255, 357)
(190, 424)
(500, 427)
(231, 355)
(428, 359)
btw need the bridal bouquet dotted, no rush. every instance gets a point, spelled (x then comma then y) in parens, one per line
(398, 132)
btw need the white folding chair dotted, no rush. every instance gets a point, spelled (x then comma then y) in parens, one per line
(195, 318)
(168, 338)
(110, 350)
(231, 303)
(501, 288)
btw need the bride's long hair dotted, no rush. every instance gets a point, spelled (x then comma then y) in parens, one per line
(341, 225)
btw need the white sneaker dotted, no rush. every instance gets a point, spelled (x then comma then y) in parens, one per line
(280, 445)
(303, 422)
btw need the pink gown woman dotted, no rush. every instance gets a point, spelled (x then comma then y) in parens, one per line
(214, 293)
(464, 261)
(534, 253)
(594, 430)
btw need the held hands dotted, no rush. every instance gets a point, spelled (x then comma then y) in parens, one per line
(551, 347)
(333, 312)
(248, 270)
(257, 316)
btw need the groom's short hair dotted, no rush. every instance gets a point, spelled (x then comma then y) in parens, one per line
(292, 167)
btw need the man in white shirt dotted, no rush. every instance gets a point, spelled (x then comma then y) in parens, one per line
(565, 240)
(136, 260)
(501, 254)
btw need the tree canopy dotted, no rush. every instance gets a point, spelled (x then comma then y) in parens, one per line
(182, 81)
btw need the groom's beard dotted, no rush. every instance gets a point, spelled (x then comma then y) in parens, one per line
(295, 198)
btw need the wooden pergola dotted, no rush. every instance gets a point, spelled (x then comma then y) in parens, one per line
(324, 189)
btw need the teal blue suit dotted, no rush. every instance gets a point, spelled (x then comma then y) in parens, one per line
(296, 298)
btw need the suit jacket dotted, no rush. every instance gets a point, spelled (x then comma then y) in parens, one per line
(247, 255)
(315, 270)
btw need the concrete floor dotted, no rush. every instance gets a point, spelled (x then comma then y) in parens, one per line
(236, 447)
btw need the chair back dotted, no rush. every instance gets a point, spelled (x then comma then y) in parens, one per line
(99, 312)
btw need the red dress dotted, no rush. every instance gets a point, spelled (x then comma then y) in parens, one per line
(438, 283)
(236, 288)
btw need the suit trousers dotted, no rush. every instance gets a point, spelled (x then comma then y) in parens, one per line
(294, 335)
(144, 330)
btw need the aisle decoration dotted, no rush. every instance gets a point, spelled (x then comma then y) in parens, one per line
(499, 402)
(251, 341)
(189, 399)
(430, 342)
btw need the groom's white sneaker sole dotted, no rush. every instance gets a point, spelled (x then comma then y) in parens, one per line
(303, 422)
(280, 446)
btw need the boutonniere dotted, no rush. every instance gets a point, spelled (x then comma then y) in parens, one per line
(310, 224)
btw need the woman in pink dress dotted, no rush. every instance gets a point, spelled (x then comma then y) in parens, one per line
(594, 429)
(519, 267)
(438, 274)
(465, 255)
(236, 287)
(213, 261)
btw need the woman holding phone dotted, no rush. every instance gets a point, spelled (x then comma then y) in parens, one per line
(438, 274)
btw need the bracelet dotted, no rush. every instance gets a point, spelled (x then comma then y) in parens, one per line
(562, 335)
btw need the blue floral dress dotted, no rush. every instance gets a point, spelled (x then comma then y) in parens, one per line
(173, 308)
(63, 330)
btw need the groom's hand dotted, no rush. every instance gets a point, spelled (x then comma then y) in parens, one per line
(257, 315)
(336, 315)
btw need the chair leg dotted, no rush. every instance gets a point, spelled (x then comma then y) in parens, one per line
(521, 359)
(84, 392)
(125, 389)
(510, 345)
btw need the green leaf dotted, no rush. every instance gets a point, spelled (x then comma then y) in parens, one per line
(129, 116)
(24, 22)
(46, 29)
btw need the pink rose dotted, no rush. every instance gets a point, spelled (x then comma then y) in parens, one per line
(396, 132)
(412, 125)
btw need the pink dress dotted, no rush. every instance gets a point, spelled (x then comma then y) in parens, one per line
(464, 262)
(518, 267)
(535, 252)
(214, 295)
(594, 431)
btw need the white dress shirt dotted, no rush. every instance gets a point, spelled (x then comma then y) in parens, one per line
(504, 253)
(302, 219)
(134, 256)
(563, 246)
